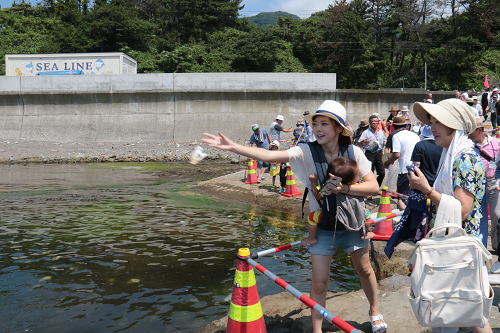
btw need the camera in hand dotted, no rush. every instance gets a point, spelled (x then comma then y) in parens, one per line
(332, 182)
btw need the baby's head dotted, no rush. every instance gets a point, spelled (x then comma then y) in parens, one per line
(345, 168)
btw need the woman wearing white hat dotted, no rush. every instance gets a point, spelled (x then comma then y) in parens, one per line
(461, 172)
(333, 140)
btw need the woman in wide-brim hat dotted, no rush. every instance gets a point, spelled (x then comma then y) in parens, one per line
(332, 132)
(461, 172)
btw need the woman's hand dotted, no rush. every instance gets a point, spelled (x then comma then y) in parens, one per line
(418, 181)
(221, 141)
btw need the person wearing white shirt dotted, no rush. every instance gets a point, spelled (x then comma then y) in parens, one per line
(403, 144)
(373, 141)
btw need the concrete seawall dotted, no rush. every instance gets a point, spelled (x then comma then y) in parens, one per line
(173, 107)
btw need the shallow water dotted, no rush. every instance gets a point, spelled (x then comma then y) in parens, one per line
(86, 249)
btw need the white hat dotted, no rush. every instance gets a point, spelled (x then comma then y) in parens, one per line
(452, 112)
(334, 110)
(275, 143)
(474, 98)
(496, 89)
(405, 108)
(280, 117)
(376, 114)
(426, 131)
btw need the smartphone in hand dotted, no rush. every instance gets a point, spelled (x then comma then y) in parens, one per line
(332, 182)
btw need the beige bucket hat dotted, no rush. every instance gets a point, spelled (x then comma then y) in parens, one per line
(451, 112)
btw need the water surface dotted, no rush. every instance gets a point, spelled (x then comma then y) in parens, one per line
(86, 249)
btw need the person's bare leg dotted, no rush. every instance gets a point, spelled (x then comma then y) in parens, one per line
(260, 172)
(361, 261)
(311, 238)
(320, 282)
(485, 329)
(401, 205)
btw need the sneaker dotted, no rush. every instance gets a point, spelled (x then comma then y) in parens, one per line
(262, 178)
(258, 180)
(495, 269)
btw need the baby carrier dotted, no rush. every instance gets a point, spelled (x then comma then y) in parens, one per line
(330, 203)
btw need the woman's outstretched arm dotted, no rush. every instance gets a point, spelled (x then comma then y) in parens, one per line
(222, 142)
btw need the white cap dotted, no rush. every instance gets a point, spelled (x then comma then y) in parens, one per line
(280, 117)
(496, 89)
(275, 143)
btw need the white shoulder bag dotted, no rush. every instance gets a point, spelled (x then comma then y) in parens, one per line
(449, 280)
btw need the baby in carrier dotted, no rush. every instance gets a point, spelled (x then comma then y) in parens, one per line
(348, 170)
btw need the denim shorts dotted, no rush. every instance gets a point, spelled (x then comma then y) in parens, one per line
(261, 164)
(349, 241)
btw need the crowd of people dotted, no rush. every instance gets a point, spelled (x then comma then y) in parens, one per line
(449, 151)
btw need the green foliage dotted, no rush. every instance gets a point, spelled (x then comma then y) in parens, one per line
(368, 43)
(270, 18)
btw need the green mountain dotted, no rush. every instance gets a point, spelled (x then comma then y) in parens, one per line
(269, 18)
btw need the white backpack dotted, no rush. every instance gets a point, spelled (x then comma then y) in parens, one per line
(449, 281)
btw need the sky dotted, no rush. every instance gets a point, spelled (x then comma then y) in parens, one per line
(300, 8)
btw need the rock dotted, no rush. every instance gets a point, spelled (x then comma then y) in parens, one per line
(235, 161)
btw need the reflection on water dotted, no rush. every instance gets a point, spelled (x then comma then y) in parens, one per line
(97, 250)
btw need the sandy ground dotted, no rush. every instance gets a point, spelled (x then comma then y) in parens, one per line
(284, 313)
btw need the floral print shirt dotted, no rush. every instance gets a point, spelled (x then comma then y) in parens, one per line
(469, 173)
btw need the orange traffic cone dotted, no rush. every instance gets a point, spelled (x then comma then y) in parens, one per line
(245, 313)
(291, 188)
(251, 172)
(383, 230)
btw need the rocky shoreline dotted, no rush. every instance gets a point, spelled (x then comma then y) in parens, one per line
(26, 151)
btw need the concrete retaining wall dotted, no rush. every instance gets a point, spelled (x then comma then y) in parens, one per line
(173, 107)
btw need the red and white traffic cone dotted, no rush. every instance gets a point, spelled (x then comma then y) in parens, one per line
(245, 312)
(383, 230)
(251, 172)
(291, 187)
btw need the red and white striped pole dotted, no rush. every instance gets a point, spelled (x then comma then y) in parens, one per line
(387, 217)
(345, 327)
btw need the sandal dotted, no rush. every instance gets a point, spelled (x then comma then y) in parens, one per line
(380, 328)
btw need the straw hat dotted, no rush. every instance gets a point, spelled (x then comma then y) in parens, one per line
(451, 112)
(363, 122)
(300, 122)
(333, 110)
(400, 120)
(405, 109)
(479, 123)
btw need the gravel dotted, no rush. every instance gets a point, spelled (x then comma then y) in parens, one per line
(25, 151)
